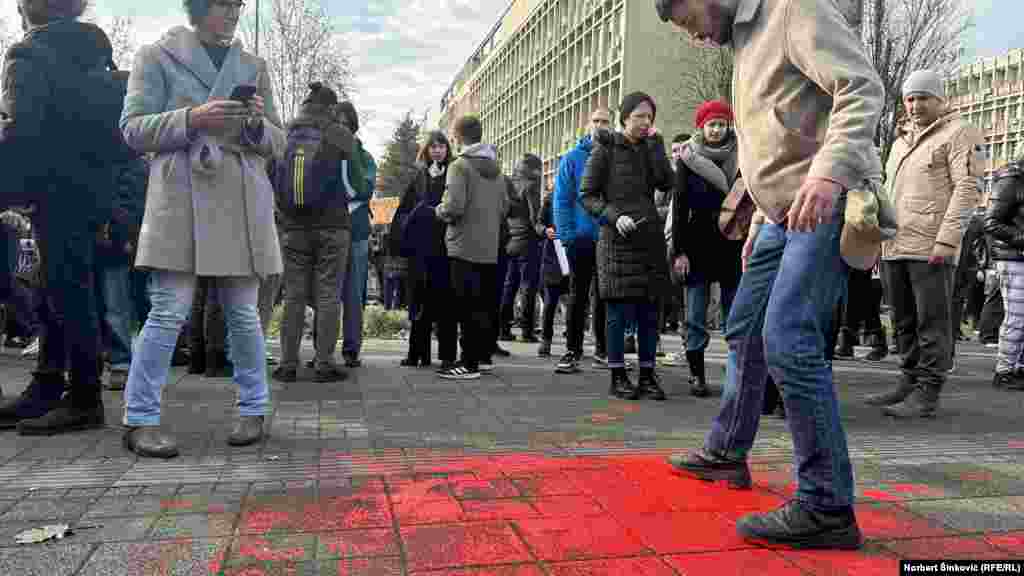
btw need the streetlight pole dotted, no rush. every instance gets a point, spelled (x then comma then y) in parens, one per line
(257, 27)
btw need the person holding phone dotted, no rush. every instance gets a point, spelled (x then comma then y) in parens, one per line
(618, 188)
(204, 108)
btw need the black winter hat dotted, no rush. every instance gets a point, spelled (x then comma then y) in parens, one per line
(348, 114)
(531, 165)
(320, 94)
(630, 103)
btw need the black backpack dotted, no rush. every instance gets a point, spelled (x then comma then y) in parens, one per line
(308, 178)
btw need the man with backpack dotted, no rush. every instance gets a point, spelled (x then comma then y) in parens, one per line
(312, 202)
(59, 81)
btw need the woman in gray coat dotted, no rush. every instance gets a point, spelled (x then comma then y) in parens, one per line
(209, 207)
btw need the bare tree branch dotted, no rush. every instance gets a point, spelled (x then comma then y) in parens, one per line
(121, 32)
(301, 45)
(706, 74)
(902, 36)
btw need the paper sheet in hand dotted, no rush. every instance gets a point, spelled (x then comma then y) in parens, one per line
(563, 260)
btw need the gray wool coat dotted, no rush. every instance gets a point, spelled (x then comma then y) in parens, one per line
(209, 204)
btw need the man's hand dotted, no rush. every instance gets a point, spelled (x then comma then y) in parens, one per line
(681, 265)
(550, 233)
(941, 255)
(625, 225)
(813, 205)
(217, 115)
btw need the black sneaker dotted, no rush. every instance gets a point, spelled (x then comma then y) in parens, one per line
(459, 373)
(62, 419)
(569, 364)
(544, 350)
(708, 468)
(499, 351)
(446, 365)
(282, 374)
(329, 374)
(797, 526)
(649, 385)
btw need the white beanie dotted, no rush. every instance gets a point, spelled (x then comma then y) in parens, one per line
(924, 82)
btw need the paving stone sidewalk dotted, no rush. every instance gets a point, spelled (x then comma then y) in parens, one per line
(521, 473)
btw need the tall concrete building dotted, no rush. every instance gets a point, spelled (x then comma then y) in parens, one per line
(546, 64)
(989, 93)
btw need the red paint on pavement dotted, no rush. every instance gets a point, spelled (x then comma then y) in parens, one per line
(496, 515)
(617, 567)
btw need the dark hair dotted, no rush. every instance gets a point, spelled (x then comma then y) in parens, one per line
(435, 137)
(631, 102)
(681, 138)
(347, 110)
(469, 129)
(321, 95)
(196, 10)
(56, 9)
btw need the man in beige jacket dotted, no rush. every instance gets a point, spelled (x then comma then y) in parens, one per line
(807, 102)
(932, 177)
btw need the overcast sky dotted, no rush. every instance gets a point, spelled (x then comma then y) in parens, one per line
(407, 51)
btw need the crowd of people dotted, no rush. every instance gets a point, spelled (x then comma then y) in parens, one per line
(170, 237)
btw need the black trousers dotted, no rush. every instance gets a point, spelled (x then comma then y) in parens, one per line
(66, 308)
(583, 261)
(474, 289)
(992, 314)
(431, 299)
(921, 295)
(552, 295)
(862, 306)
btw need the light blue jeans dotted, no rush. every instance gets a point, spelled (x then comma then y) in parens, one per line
(118, 313)
(171, 296)
(353, 295)
(778, 324)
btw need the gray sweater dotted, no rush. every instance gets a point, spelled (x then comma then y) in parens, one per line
(474, 205)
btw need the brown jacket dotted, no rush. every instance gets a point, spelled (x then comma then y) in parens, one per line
(807, 99)
(931, 176)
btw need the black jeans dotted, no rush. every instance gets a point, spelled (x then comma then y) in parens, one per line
(920, 295)
(431, 299)
(862, 306)
(474, 291)
(523, 272)
(66, 308)
(552, 295)
(583, 262)
(992, 314)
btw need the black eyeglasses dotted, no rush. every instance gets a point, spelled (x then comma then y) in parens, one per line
(229, 4)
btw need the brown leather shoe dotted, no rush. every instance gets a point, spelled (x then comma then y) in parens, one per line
(149, 442)
(248, 430)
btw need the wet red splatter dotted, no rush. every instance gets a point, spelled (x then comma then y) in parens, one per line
(259, 549)
(176, 504)
(434, 547)
(498, 510)
(379, 542)
(471, 488)
(428, 511)
(548, 484)
(685, 532)
(740, 563)
(615, 567)
(368, 567)
(889, 521)
(519, 570)
(560, 539)
(1012, 542)
(580, 507)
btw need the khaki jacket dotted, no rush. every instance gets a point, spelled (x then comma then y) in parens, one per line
(807, 100)
(932, 181)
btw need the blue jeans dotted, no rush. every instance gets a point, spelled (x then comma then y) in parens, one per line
(393, 291)
(118, 313)
(353, 293)
(778, 324)
(644, 315)
(171, 296)
(697, 296)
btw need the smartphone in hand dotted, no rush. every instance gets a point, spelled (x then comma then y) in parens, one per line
(243, 93)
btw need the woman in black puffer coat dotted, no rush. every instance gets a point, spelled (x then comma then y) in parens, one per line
(419, 236)
(617, 188)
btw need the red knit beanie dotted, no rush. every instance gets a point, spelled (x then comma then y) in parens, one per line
(712, 110)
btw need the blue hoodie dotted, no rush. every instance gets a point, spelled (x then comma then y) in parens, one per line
(572, 220)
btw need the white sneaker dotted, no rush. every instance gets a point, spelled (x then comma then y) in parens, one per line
(459, 373)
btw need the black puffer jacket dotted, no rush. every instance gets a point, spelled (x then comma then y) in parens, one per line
(1004, 222)
(620, 179)
(523, 210)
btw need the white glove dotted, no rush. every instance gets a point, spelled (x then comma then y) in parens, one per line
(625, 225)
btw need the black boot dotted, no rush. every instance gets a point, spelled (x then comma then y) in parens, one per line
(907, 385)
(844, 344)
(217, 364)
(621, 387)
(798, 526)
(698, 379)
(923, 402)
(42, 395)
(197, 361)
(650, 386)
(66, 417)
(879, 348)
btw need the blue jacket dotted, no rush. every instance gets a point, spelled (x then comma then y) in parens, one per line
(359, 198)
(572, 221)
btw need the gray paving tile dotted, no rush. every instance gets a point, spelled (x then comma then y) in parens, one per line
(49, 559)
(167, 558)
(974, 514)
(45, 510)
(192, 526)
